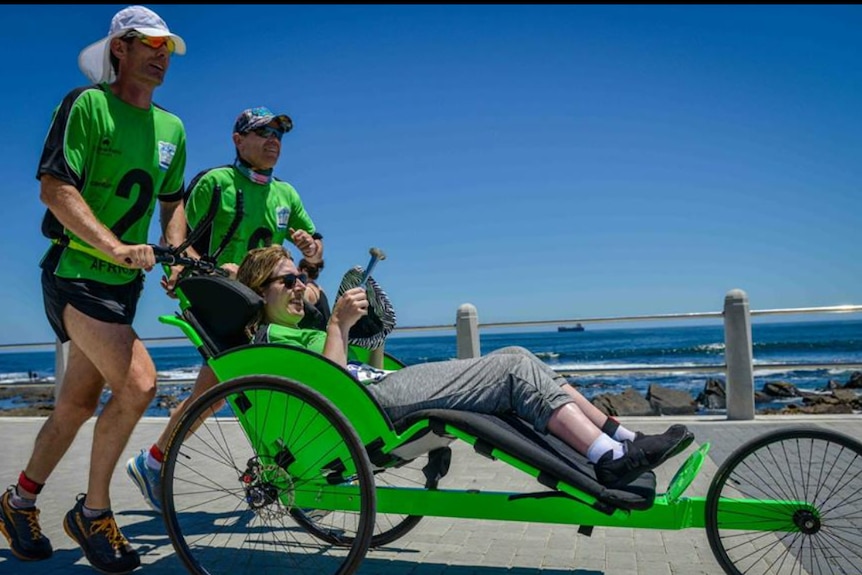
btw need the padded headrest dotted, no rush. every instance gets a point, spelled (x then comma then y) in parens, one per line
(223, 306)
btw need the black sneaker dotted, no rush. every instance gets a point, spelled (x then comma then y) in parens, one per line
(676, 432)
(642, 455)
(21, 528)
(104, 545)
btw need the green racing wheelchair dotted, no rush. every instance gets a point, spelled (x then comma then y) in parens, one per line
(288, 465)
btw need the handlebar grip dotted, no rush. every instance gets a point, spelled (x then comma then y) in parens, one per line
(168, 256)
(164, 255)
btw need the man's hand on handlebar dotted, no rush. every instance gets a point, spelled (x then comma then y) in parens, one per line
(137, 256)
(167, 256)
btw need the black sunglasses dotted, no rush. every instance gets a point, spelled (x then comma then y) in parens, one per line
(289, 280)
(266, 132)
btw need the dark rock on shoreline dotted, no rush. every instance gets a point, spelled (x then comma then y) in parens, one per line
(780, 389)
(38, 400)
(841, 399)
(713, 395)
(33, 400)
(629, 402)
(666, 401)
(855, 381)
(41, 410)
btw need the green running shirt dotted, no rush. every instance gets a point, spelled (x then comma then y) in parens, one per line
(315, 340)
(312, 339)
(268, 213)
(121, 159)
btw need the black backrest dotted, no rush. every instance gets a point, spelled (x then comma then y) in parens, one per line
(220, 310)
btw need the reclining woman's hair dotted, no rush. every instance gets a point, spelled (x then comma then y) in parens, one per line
(254, 271)
(258, 264)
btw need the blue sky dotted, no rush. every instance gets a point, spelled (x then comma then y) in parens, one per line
(539, 162)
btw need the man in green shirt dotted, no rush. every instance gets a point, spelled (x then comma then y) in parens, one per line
(109, 156)
(253, 209)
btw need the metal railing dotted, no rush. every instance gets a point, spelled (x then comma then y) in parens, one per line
(836, 309)
(738, 367)
(739, 364)
(534, 323)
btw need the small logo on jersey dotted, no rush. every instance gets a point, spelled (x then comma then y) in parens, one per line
(282, 216)
(166, 155)
(106, 148)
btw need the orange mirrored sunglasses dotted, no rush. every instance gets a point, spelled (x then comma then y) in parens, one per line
(153, 41)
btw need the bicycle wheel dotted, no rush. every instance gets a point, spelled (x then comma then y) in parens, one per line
(230, 480)
(421, 472)
(789, 502)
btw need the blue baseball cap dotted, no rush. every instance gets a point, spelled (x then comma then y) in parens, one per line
(254, 118)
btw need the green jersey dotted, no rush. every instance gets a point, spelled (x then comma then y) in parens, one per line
(121, 159)
(315, 340)
(312, 339)
(267, 213)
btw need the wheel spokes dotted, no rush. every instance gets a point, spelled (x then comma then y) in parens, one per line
(804, 510)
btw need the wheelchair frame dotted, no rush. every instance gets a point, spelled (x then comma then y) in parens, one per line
(359, 441)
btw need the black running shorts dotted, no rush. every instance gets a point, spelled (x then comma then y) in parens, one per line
(104, 302)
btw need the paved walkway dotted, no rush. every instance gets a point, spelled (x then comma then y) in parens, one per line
(438, 546)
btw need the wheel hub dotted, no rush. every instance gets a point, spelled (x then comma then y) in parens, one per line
(264, 486)
(260, 495)
(806, 521)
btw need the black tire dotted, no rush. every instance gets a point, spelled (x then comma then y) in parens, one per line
(806, 485)
(388, 527)
(228, 493)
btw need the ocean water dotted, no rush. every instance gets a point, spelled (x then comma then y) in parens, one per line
(824, 342)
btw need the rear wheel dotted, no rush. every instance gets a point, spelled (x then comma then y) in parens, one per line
(231, 480)
(789, 502)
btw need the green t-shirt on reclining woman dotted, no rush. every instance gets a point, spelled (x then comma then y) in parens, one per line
(314, 340)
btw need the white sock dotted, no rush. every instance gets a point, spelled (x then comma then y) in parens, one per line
(90, 513)
(18, 502)
(621, 434)
(602, 445)
(152, 462)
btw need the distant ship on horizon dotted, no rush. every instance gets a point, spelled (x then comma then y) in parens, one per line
(576, 327)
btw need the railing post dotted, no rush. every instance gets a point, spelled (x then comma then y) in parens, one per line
(738, 356)
(61, 358)
(467, 331)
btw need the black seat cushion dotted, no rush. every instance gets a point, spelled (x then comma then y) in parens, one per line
(222, 307)
(545, 452)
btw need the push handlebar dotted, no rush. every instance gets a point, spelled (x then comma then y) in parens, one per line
(170, 257)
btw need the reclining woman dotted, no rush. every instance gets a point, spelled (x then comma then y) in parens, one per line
(509, 380)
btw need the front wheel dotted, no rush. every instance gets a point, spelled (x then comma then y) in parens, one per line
(247, 454)
(788, 502)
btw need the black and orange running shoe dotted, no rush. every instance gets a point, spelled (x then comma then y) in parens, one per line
(21, 529)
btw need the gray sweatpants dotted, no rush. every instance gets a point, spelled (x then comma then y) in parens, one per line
(507, 380)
